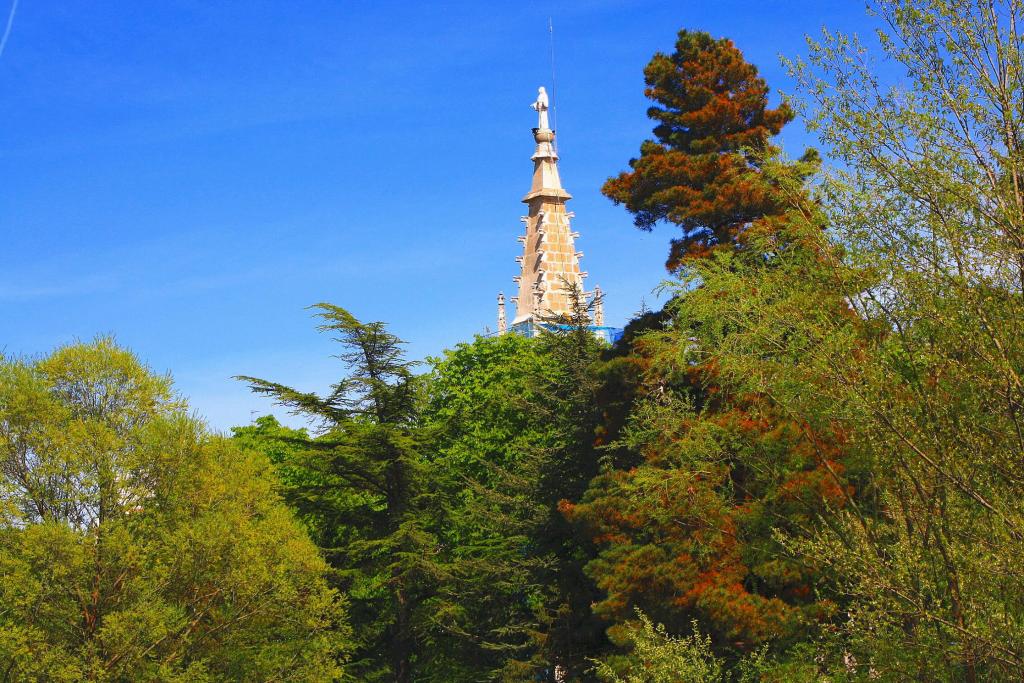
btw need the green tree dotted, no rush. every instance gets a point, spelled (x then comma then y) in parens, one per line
(133, 546)
(366, 486)
(516, 422)
(658, 657)
(492, 442)
(286, 449)
(571, 406)
(281, 444)
(487, 445)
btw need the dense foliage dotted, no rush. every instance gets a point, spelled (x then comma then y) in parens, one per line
(894, 330)
(688, 528)
(806, 467)
(492, 444)
(133, 546)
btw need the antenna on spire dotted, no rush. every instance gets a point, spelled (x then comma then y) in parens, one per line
(554, 87)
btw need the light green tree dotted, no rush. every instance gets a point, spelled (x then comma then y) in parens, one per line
(654, 655)
(657, 657)
(134, 546)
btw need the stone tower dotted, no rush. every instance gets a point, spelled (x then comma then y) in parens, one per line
(550, 263)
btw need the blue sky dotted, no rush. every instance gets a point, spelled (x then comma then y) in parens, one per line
(190, 175)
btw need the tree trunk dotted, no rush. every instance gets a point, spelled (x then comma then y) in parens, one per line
(401, 644)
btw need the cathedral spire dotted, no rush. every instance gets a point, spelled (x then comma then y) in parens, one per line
(549, 266)
(550, 263)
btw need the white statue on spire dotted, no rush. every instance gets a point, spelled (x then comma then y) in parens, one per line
(541, 107)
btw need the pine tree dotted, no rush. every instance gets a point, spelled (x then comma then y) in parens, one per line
(683, 513)
(701, 172)
(571, 407)
(365, 483)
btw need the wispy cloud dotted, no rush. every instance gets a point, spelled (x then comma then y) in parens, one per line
(7, 30)
(33, 290)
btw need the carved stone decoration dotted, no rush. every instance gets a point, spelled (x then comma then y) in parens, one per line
(502, 324)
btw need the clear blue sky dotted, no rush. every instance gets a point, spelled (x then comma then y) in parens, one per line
(190, 175)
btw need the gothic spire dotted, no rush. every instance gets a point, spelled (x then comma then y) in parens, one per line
(550, 263)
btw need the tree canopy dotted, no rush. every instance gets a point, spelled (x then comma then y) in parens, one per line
(134, 546)
(805, 467)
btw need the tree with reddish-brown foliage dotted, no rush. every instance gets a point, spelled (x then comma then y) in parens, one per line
(687, 529)
(701, 172)
(684, 519)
